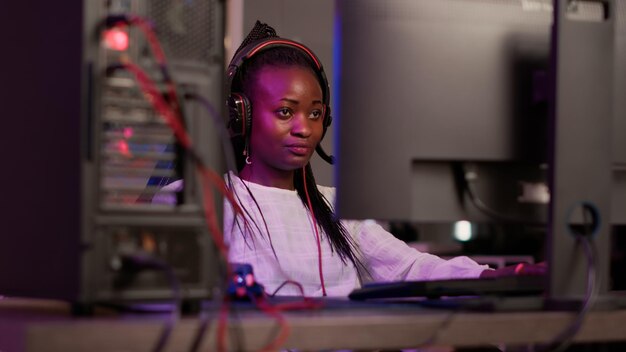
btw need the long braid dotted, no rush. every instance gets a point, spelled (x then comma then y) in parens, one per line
(336, 233)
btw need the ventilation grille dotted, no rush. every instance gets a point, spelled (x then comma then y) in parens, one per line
(187, 29)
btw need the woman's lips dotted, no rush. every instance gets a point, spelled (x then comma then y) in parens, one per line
(299, 149)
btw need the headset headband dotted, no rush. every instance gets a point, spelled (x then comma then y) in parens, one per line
(253, 48)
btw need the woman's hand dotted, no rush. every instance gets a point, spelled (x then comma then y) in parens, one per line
(518, 269)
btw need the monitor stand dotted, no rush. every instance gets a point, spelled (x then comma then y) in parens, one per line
(580, 154)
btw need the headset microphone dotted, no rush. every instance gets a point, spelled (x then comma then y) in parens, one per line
(328, 158)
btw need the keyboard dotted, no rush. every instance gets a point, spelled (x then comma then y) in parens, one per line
(526, 285)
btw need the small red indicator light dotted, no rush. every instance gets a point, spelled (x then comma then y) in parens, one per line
(128, 132)
(115, 39)
(124, 149)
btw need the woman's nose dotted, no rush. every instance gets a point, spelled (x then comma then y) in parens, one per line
(301, 125)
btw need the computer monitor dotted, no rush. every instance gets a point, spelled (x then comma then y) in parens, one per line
(444, 112)
(428, 87)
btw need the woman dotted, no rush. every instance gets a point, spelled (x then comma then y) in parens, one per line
(279, 114)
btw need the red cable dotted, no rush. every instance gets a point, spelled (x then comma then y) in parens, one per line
(159, 55)
(159, 104)
(284, 327)
(275, 311)
(173, 116)
(317, 235)
(155, 98)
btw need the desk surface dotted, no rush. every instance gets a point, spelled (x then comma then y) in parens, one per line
(27, 325)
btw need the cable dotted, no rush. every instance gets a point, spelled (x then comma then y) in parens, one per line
(208, 176)
(284, 329)
(583, 237)
(565, 338)
(444, 324)
(157, 51)
(467, 180)
(136, 263)
(306, 303)
(152, 94)
(297, 284)
(159, 104)
(172, 114)
(275, 311)
(221, 326)
(202, 328)
(237, 337)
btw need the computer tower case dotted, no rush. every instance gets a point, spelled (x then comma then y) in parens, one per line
(86, 152)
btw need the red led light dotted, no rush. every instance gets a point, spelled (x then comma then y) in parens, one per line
(124, 149)
(128, 132)
(115, 39)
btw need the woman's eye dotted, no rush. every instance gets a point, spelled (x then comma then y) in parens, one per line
(284, 112)
(316, 114)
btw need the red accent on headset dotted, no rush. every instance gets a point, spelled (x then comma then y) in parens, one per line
(287, 42)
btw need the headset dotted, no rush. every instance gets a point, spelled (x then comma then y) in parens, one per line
(239, 106)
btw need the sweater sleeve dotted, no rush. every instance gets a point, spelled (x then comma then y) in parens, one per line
(390, 259)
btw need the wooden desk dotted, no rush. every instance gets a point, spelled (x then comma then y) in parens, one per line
(48, 326)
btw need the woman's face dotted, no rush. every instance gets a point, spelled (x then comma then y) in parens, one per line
(287, 119)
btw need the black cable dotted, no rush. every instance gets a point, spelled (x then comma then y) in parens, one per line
(435, 334)
(236, 329)
(468, 179)
(565, 338)
(136, 263)
(200, 332)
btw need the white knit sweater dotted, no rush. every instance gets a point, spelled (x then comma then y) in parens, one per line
(293, 238)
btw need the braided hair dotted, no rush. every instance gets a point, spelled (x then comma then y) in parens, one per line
(258, 32)
(280, 56)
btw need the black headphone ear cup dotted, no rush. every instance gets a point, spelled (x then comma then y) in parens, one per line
(328, 119)
(234, 117)
(240, 114)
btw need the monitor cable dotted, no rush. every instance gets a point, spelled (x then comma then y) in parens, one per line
(583, 239)
(468, 179)
(136, 263)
